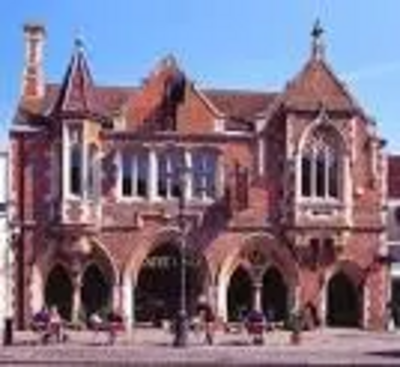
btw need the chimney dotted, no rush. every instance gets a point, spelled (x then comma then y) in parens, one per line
(33, 78)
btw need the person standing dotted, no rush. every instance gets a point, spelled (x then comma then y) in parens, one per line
(207, 319)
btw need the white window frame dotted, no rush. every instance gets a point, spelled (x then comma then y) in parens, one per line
(207, 172)
(133, 156)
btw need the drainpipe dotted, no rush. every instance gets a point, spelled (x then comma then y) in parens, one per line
(20, 239)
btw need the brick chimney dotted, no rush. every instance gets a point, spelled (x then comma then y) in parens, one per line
(33, 78)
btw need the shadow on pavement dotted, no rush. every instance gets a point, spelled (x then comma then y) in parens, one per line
(385, 353)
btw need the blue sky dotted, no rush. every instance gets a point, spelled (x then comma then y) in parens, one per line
(255, 44)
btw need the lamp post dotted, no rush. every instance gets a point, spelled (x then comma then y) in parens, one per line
(181, 323)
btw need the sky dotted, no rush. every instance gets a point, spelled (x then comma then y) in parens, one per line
(245, 44)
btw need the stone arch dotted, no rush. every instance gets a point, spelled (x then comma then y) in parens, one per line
(261, 251)
(104, 257)
(239, 293)
(148, 242)
(96, 290)
(344, 296)
(59, 290)
(138, 274)
(275, 295)
(246, 254)
(99, 275)
(322, 121)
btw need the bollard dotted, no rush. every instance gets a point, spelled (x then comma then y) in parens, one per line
(8, 331)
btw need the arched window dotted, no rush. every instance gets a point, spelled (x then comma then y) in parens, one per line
(321, 165)
(93, 168)
(76, 169)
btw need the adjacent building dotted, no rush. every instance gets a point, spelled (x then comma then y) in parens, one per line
(5, 242)
(276, 197)
(393, 233)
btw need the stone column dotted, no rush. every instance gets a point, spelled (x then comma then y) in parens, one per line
(153, 175)
(257, 296)
(188, 194)
(117, 295)
(76, 290)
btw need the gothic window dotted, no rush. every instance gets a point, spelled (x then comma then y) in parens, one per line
(320, 165)
(170, 171)
(92, 172)
(135, 174)
(75, 162)
(204, 173)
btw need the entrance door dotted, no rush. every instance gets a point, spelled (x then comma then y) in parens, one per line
(344, 306)
(96, 291)
(58, 291)
(274, 296)
(240, 292)
(158, 290)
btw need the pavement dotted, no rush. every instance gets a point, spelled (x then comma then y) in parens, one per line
(153, 347)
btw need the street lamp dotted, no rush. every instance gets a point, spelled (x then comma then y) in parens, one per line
(182, 323)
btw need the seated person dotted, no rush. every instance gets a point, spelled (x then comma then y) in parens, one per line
(95, 322)
(41, 319)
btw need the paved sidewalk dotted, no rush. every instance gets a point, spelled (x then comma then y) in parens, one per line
(148, 347)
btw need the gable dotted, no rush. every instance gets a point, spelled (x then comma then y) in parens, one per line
(317, 85)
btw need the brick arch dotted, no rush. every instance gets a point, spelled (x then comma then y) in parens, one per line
(275, 255)
(147, 244)
(101, 256)
(150, 243)
(351, 269)
(350, 276)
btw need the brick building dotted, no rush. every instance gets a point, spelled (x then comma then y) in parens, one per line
(393, 233)
(277, 195)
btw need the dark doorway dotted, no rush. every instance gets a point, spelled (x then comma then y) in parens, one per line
(158, 290)
(58, 291)
(96, 291)
(274, 296)
(343, 304)
(395, 303)
(240, 292)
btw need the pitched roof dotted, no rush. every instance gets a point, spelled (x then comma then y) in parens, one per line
(106, 99)
(243, 105)
(393, 177)
(76, 91)
(240, 104)
(317, 85)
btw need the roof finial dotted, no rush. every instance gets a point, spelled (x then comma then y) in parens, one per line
(318, 47)
(79, 44)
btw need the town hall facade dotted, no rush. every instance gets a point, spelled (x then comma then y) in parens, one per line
(274, 197)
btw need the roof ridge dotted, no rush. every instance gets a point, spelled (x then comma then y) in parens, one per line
(238, 90)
